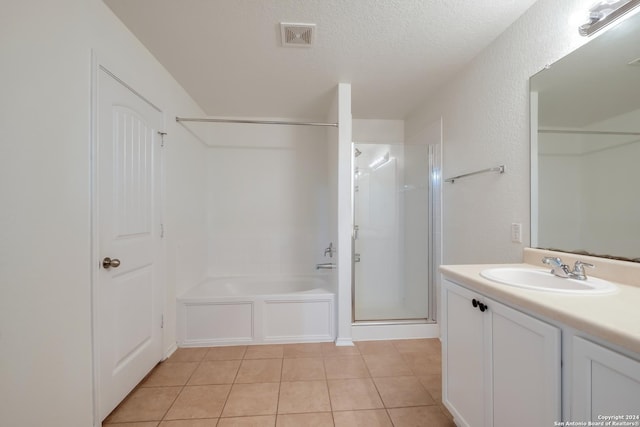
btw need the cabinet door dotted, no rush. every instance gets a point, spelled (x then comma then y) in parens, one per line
(525, 364)
(604, 383)
(464, 357)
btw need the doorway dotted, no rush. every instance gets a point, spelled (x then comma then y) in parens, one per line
(128, 294)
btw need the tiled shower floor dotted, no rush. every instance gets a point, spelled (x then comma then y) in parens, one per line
(375, 383)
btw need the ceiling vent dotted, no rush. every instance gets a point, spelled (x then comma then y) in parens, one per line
(297, 35)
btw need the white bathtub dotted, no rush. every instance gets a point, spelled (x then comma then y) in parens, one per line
(251, 310)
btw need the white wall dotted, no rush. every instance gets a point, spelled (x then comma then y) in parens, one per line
(341, 113)
(375, 131)
(45, 240)
(332, 174)
(485, 112)
(268, 200)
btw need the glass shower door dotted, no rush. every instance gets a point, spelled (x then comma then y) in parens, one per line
(391, 232)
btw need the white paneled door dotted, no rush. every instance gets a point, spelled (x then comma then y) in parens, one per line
(128, 292)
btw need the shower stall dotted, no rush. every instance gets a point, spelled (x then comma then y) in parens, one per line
(394, 237)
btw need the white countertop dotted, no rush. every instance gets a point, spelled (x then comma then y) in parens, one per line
(612, 317)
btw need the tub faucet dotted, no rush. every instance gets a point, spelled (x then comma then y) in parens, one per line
(562, 270)
(329, 250)
(325, 266)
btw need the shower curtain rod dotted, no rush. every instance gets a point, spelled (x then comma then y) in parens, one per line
(587, 132)
(253, 122)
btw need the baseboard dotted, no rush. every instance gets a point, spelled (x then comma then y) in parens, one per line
(170, 350)
(344, 342)
(372, 332)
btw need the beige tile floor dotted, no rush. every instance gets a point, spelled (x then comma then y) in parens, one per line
(375, 383)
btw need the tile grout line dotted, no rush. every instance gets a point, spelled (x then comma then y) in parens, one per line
(182, 389)
(235, 377)
(280, 387)
(326, 383)
(413, 375)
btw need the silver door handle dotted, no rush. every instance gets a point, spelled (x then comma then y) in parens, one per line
(108, 262)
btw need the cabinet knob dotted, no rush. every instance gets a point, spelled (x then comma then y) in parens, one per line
(477, 304)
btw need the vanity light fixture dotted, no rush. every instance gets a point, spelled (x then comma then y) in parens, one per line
(605, 12)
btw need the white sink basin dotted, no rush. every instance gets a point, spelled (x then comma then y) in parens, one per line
(543, 280)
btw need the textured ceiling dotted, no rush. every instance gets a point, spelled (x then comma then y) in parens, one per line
(227, 53)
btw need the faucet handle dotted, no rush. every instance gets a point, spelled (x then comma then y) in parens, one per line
(578, 269)
(330, 250)
(552, 260)
(582, 264)
(558, 268)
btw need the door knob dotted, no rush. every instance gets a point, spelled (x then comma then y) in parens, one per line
(108, 262)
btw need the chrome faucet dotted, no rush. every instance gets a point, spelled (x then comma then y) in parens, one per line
(325, 266)
(578, 270)
(563, 270)
(329, 250)
(558, 268)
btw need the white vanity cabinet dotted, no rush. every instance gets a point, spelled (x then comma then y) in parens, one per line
(464, 353)
(501, 367)
(604, 383)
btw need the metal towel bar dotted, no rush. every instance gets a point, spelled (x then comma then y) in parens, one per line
(499, 169)
(247, 121)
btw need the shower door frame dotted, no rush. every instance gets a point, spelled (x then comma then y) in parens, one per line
(433, 188)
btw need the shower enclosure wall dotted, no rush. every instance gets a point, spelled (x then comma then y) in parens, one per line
(393, 269)
(278, 196)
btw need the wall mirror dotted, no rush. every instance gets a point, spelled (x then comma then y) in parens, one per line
(585, 148)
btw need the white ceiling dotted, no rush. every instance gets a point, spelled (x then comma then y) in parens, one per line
(227, 53)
